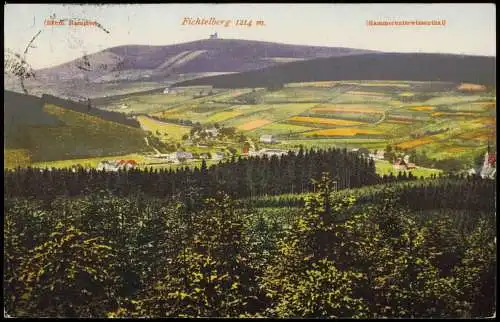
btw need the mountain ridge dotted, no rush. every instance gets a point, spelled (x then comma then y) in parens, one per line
(368, 66)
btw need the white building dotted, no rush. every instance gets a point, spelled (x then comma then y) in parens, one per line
(489, 170)
(377, 156)
(180, 156)
(267, 152)
(171, 90)
(268, 139)
(213, 132)
(107, 166)
(218, 156)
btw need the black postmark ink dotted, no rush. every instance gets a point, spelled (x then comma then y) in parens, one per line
(18, 65)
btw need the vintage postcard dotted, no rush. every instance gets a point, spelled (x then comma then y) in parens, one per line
(250, 160)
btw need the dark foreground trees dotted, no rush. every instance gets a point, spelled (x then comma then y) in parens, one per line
(137, 256)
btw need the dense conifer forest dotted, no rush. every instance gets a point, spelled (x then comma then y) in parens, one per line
(313, 234)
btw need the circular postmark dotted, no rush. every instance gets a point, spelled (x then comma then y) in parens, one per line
(17, 65)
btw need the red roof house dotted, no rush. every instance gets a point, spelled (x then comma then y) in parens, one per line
(492, 158)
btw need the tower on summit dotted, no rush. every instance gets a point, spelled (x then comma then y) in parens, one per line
(213, 36)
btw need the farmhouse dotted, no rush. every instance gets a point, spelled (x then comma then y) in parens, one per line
(171, 90)
(180, 156)
(107, 166)
(268, 139)
(377, 156)
(218, 156)
(404, 164)
(213, 132)
(268, 153)
(488, 170)
(115, 165)
(127, 164)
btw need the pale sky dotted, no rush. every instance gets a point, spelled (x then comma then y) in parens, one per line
(469, 29)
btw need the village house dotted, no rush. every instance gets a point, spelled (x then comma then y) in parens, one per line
(115, 165)
(268, 153)
(127, 164)
(213, 132)
(180, 156)
(377, 156)
(488, 170)
(171, 90)
(106, 165)
(268, 139)
(404, 164)
(218, 156)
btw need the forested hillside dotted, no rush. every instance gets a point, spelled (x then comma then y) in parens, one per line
(102, 255)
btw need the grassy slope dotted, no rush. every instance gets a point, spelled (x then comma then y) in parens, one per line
(80, 136)
(397, 118)
(172, 131)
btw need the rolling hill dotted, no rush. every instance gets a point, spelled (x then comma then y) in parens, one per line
(203, 56)
(129, 68)
(371, 66)
(45, 132)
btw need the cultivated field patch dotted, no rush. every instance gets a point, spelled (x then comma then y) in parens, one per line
(173, 131)
(438, 114)
(415, 143)
(16, 158)
(377, 84)
(282, 128)
(347, 108)
(322, 121)
(378, 94)
(222, 116)
(471, 87)
(423, 108)
(455, 149)
(314, 84)
(342, 132)
(253, 125)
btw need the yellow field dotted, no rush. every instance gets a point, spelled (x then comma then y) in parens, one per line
(455, 150)
(471, 87)
(173, 131)
(486, 121)
(437, 114)
(407, 94)
(481, 135)
(486, 104)
(414, 143)
(366, 93)
(253, 125)
(423, 108)
(398, 122)
(347, 108)
(315, 84)
(341, 132)
(88, 162)
(16, 157)
(318, 120)
(222, 116)
(378, 84)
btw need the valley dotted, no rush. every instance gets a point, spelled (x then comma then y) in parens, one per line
(439, 120)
